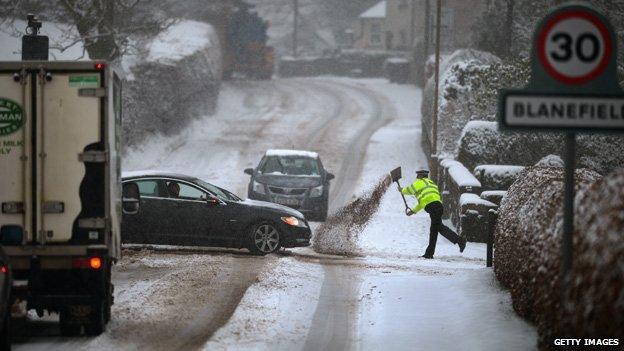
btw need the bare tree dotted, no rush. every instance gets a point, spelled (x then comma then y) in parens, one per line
(103, 26)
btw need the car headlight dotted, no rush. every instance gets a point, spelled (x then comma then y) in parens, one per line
(293, 221)
(316, 192)
(258, 187)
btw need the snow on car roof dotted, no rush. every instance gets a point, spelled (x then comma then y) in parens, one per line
(302, 153)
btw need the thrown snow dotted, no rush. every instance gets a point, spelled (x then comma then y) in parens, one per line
(287, 153)
(181, 40)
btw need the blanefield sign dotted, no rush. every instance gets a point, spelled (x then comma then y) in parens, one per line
(573, 84)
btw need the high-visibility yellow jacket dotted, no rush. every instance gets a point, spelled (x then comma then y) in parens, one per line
(425, 191)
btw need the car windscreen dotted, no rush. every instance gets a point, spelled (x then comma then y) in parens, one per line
(222, 194)
(290, 165)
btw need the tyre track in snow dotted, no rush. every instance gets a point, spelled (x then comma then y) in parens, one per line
(334, 325)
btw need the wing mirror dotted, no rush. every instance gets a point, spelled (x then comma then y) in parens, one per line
(249, 171)
(131, 198)
(330, 176)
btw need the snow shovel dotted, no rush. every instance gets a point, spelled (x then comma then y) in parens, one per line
(395, 175)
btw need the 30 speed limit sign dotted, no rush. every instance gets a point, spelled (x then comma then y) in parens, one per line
(573, 84)
(574, 47)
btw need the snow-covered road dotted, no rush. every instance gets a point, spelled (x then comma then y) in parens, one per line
(228, 300)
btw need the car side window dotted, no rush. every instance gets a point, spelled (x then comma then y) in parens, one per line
(148, 188)
(184, 191)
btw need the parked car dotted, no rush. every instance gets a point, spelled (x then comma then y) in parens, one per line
(292, 178)
(178, 209)
(5, 301)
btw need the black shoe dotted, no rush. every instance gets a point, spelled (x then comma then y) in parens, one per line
(462, 244)
(427, 256)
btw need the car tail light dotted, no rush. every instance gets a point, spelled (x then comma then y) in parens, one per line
(94, 262)
(4, 269)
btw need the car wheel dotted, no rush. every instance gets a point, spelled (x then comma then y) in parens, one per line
(265, 239)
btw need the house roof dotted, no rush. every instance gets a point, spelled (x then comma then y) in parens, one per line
(377, 11)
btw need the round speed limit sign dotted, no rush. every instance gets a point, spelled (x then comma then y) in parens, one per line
(574, 46)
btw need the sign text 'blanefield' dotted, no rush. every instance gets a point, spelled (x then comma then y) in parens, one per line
(554, 111)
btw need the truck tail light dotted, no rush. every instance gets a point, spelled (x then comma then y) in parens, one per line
(94, 262)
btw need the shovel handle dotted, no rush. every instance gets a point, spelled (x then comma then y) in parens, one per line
(407, 209)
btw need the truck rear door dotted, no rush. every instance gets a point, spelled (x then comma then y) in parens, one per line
(15, 171)
(53, 156)
(72, 173)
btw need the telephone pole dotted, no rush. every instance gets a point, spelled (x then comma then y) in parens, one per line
(295, 20)
(434, 125)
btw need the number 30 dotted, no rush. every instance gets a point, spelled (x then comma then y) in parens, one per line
(566, 41)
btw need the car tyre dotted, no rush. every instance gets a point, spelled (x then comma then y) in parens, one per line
(264, 239)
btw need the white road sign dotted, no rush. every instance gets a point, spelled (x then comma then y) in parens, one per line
(564, 111)
(573, 83)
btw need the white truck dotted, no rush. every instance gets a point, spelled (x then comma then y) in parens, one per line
(60, 187)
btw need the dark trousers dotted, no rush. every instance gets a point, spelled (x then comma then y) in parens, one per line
(435, 210)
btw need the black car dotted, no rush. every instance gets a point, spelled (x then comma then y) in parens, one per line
(177, 209)
(5, 301)
(292, 178)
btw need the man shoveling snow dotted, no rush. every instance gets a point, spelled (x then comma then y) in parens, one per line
(428, 196)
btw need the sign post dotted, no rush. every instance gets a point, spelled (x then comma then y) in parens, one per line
(573, 88)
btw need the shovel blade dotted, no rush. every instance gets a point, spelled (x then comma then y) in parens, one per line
(395, 174)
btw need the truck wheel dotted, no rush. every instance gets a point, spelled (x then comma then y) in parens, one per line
(97, 320)
(68, 329)
(5, 336)
(264, 239)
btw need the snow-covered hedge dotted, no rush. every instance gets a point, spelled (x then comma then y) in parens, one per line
(458, 74)
(527, 256)
(175, 78)
(482, 143)
(497, 177)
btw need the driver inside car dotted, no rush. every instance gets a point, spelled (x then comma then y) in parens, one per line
(174, 189)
